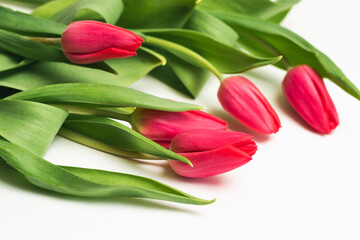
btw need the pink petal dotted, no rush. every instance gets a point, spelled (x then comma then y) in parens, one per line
(210, 163)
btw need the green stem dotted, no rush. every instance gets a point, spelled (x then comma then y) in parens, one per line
(49, 41)
(168, 45)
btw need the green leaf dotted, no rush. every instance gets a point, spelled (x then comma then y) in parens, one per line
(132, 69)
(30, 49)
(89, 182)
(50, 8)
(100, 95)
(25, 24)
(193, 77)
(66, 11)
(111, 136)
(265, 9)
(225, 58)
(9, 61)
(41, 74)
(208, 24)
(166, 75)
(30, 2)
(272, 37)
(109, 10)
(30, 125)
(156, 13)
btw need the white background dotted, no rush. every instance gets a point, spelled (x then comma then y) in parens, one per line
(299, 185)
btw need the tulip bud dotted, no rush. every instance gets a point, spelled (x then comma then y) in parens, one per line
(87, 42)
(211, 152)
(242, 99)
(306, 92)
(162, 126)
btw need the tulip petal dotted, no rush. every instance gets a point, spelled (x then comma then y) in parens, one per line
(210, 163)
(164, 126)
(306, 92)
(106, 54)
(207, 139)
(93, 36)
(243, 100)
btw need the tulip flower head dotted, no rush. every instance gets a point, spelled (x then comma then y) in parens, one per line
(306, 92)
(162, 126)
(211, 152)
(87, 42)
(242, 99)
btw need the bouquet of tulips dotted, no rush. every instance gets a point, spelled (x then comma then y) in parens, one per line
(66, 69)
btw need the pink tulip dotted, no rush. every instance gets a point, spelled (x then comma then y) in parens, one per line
(306, 92)
(86, 42)
(211, 152)
(242, 99)
(162, 126)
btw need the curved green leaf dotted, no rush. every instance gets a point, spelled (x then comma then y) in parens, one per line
(208, 24)
(97, 132)
(225, 58)
(23, 46)
(41, 74)
(30, 125)
(51, 7)
(89, 182)
(265, 9)
(272, 37)
(25, 24)
(156, 13)
(65, 11)
(99, 95)
(192, 77)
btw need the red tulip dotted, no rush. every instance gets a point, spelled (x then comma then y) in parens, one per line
(86, 42)
(211, 152)
(162, 126)
(306, 92)
(244, 101)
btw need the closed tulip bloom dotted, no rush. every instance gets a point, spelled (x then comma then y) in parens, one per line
(162, 126)
(306, 92)
(87, 42)
(211, 152)
(242, 99)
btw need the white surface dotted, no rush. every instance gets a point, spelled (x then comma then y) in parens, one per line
(299, 185)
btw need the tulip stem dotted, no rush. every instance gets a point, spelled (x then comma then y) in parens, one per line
(49, 41)
(178, 49)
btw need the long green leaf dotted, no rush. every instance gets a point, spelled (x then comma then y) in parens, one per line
(66, 11)
(156, 13)
(265, 9)
(166, 75)
(208, 24)
(30, 125)
(28, 25)
(100, 95)
(9, 61)
(88, 182)
(105, 134)
(23, 46)
(294, 48)
(193, 77)
(51, 7)
(41, 74)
